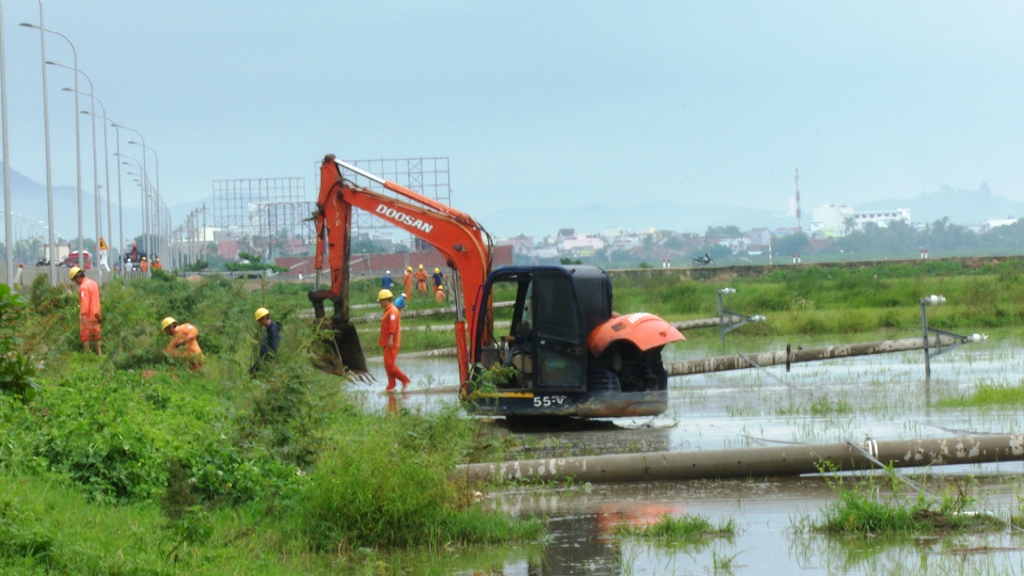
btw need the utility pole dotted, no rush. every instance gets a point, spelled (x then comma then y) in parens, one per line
(797, 179)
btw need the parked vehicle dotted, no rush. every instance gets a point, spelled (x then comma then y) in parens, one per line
(72, 260)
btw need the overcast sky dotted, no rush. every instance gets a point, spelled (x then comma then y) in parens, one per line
(545, 104)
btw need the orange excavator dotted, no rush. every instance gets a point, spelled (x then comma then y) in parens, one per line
(566, 352)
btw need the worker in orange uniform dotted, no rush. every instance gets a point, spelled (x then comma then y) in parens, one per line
(421, 281)
(408, 280)
(439, 295)
(143, 265)
(89, 315)
(183, 344)
(156, 264)
(391, 339)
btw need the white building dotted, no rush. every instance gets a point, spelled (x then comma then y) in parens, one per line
(997, 222)
(839, 219)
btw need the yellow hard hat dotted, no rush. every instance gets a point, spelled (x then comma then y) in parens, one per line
(437, 270)
(75, 271)
(167, 322)
(409, 268)
(384, 294)
(143, 257)
(421, 266)
(439, 287)
(261, 312)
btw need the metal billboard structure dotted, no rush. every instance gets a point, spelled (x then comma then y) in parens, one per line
(427, 176)
(264, 208)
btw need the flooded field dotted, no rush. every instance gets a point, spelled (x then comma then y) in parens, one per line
(884, 397)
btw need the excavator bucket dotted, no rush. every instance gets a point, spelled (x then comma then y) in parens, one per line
(340, 350)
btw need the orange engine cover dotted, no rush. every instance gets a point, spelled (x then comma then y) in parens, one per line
(645, 330)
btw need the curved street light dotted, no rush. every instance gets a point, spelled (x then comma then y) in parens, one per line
(145, 178)
(95, 174)
(106, 168)
(78, 146)
(6, 155)
(46, 142)
(156, 190)
(142, 192)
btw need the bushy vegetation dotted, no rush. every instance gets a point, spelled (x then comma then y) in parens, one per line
(171, 471)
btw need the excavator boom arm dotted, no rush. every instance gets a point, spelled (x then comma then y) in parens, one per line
(464, 244)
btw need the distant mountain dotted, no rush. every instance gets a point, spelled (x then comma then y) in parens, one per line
(28, 198)
(963, 207)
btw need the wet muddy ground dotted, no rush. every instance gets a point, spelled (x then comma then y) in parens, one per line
(882, 397)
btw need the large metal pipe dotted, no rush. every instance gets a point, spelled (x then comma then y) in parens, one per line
(753, 462)
(744, 361)
(706, 322)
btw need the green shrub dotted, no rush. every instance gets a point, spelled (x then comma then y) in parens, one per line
(389, 485)
(16, 370)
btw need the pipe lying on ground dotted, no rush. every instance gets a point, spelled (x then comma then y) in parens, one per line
(706, 323)
(744, 361)
(753, 462)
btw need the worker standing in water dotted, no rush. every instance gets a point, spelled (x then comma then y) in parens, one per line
(270, 339)
(421, 281)
(89, 315)
(408, 280)
(390, 340)
(184, 343)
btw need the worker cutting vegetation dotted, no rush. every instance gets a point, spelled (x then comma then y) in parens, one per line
(184, 343)
(270, 339)
(390, 340)
(89, 315)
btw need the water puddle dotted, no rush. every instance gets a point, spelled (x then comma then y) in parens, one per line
(885, 397)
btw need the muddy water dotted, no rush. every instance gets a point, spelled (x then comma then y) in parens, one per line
(882, 397)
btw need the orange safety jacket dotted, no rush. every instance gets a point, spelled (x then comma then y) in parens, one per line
(390, 323)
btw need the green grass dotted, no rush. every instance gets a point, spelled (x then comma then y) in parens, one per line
(877, 506)
(691, 529)
(818, 406)
(987, 394)
(814, 300)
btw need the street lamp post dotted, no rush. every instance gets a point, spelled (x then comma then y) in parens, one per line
(120, 205)
(142, 191)
(95, 172)
(46, 140)
(156, 206)
(78, 140)
(106, 169)
(8, 235)
(145, 177)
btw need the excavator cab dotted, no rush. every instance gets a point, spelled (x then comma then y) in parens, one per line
(544, 364)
